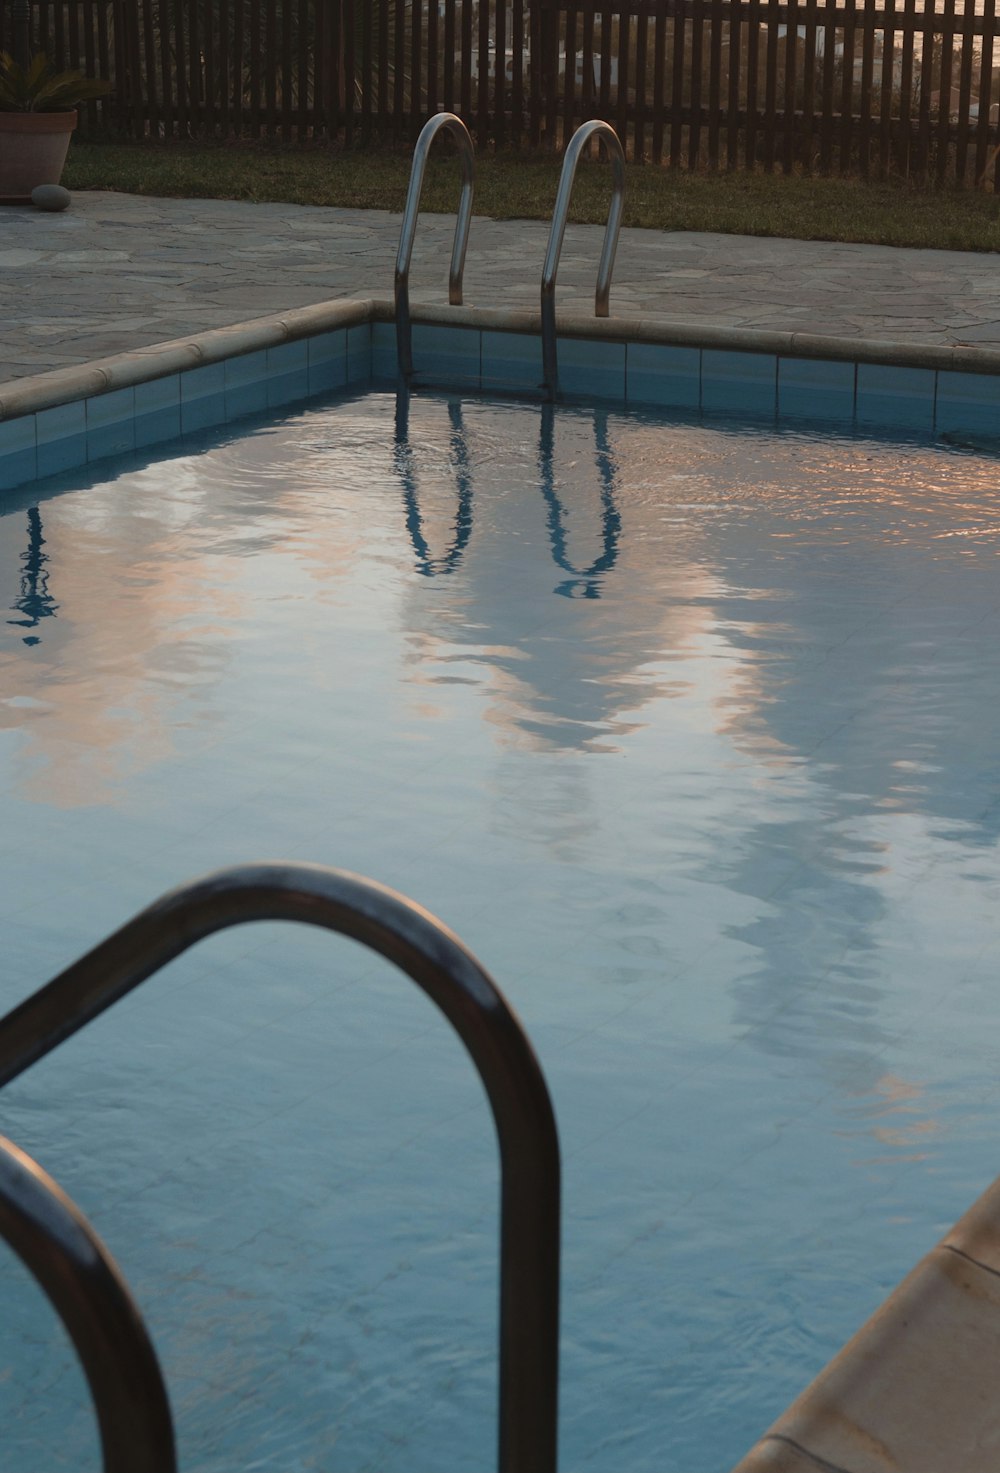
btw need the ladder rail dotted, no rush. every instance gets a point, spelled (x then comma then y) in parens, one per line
(435, 959)
(84, 1285)
(451, 123)
(595, 128)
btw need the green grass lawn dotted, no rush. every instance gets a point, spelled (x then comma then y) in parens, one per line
(510, 186)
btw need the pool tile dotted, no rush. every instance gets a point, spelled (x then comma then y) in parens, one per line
(359, 354)
(384, 363)
(327, 355)
(110, 423)
(739, 383)
(893, 397)
(968, 401)
(816, 389)
(511, 361)
(446, 355)
(287, 374)
(592, 368)
(246, 384)
(18, 457)
(157, 410)
(61, 435)
(663, 375)
(203, 397)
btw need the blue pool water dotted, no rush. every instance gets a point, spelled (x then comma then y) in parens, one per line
(688, 730)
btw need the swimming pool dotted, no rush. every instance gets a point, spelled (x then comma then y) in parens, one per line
(686, 728)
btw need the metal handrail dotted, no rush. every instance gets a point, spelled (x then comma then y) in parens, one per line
(83, 1283)
(454, 125)
(586, 131)
(451, 976)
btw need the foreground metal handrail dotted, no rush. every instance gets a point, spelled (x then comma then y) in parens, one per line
(454, 125)
(67, 1259)
(586, 131)
(451, 976)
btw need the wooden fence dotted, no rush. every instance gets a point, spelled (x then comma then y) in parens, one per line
(908, 87)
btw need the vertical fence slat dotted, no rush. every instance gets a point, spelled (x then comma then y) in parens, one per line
(90, 46)
(483, 75)
(195, 88)
(659, 80)
(211, 52)
(867, 72)
(789, 97)
(677, 73)
(466, 59)
(624, 44)
(604, 93)
(448, 62)
(847, 95)
(569, 74)
(102, 64)
(286, 74)
(714, 81)
(382, 45)
(829, 34)
(808, 85)
(500, 91)
(320, 122)
(305, 103)
(886, 86)
(367, 68)
(348, 41)
(733, 90)
(903, 151)
(964, 95)
(335, 108)
(771, 85)
(517, 77)
(433, 68)
(945, 90)
(641, 80)
(697, 57)
(985, 90)
(753, 76)
(587, 108)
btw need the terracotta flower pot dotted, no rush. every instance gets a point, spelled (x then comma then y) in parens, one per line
(33, 148)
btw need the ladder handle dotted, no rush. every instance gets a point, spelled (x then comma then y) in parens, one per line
(450, 123)
(602, 296)
(67, 1259)
(435, 959)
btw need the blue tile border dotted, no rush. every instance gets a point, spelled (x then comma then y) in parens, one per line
(357, 354)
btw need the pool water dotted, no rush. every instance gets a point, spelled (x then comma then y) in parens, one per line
(688, 729)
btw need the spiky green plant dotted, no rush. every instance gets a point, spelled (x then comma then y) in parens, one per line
(39, 88)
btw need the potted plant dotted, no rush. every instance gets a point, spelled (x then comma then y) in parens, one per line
(37, 115)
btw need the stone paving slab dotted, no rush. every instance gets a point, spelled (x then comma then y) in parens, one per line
(118, 272)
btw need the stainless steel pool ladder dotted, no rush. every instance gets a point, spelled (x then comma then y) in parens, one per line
(90, 1300)
(447, 122)
(85, 1287)
(583, 135)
